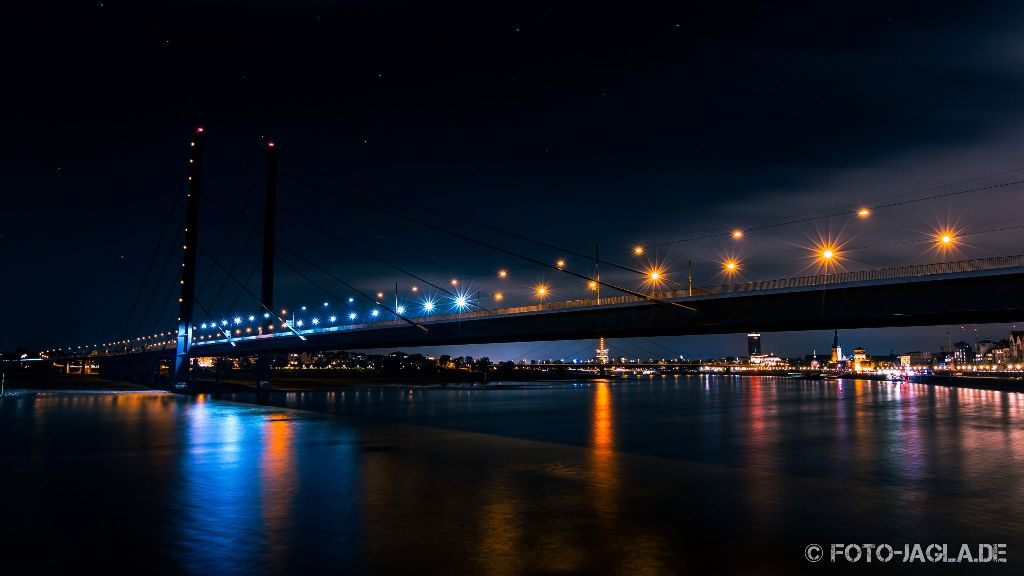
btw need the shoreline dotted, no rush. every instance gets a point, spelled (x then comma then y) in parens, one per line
(27, 383)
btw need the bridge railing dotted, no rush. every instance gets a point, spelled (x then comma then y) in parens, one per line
(915, 271)
(896, 273)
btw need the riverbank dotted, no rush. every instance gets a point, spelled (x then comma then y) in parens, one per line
(311, 381)
(48, 382)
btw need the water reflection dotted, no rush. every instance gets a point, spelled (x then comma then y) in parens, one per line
(632, 477)
(604, 477)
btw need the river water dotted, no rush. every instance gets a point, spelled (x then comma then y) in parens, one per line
(658, 475)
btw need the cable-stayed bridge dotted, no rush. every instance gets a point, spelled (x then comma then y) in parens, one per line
(948, 292)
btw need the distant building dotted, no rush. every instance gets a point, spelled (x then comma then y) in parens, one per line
(753, 344)
(861, 361)
(962, 353)
(837, 349)
(1017, 346)
(915, 359)
(602, 352)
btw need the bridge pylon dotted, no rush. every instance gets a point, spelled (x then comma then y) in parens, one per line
(186, 302)
(263, 360)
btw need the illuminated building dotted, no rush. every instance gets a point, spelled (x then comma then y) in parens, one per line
(861, 361)
(753, 344)
(962, 353)
(602, 352)
(837, 350)
(1017, 345)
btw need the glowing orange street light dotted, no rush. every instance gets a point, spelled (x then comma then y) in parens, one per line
(502, 274)
(560, 264)
(828, 254)
(499, 296)
(638, 250)
(455, 282)
(731, 266)
(380, 294)
(541, 291)
(737, 234)
(592, 284)
(946, 239)
(415, 288)
(864, 212)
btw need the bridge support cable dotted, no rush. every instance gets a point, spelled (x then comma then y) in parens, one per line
(379, 192)
(849, 211)
(366, 252)
(234, 264)
(227, 240)
(284, 321)
(323, 270)
(443, 230)
(171, 250)
(153, 258)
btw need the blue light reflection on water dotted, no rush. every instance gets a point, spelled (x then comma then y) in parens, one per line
(621, 476)
(253, 488)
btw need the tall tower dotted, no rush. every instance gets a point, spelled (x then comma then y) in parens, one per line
(264, 360)
(602, 352)
(753, 344)
(837, 350)
(186, 302)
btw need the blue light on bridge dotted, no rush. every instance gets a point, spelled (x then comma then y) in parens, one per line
(400, 310)
(315, 321)
(352, 316)
(333, 319)
(238, 319)
(223, 322)
(428, 305)
(266, 314)
(251, 318)
(375, 313)
(351, 299)
(298, 323)
(461, 302)
(203, 325)
(325, 304)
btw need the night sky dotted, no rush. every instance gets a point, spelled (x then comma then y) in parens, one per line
(665, 126)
